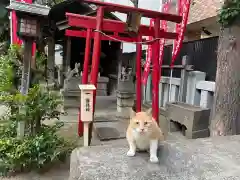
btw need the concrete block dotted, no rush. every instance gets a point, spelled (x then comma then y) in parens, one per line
(194, 118)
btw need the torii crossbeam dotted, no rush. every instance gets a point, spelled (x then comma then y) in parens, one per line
(99, 25)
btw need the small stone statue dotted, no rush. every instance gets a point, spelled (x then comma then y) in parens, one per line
(75, 72)
(123, 73)
(126, 72)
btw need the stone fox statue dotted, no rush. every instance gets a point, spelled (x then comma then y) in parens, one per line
(143, 133)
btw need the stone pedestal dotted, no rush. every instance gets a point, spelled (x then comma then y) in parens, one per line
(72, 85)
(194, 120)
(126, 86)
(125, 102)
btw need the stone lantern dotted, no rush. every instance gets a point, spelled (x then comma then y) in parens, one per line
(126, 90)
(30, 18)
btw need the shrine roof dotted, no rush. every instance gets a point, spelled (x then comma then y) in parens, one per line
(57, 14)
(34, 9)
(144, 12)
(58, 11)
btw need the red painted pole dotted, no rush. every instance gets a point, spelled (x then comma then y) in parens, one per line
(85, 75)
(156, 48)
(96, 52)
(86, 57)
(139, 75)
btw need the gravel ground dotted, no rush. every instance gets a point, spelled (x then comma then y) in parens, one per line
(60, 172)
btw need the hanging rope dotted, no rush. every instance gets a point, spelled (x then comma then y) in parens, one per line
(136, 42)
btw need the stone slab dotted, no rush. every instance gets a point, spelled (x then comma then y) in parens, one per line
(111, 130)
(102, 102)
(77, 94)
(205, 159)
(110, 118)
(108, 133)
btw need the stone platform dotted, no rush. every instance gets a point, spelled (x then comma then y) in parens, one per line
(201, 159)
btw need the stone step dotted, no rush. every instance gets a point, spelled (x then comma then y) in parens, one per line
(101, 102)
(71, 103)
(205, 159)
(70, 93)
(71, 114)
(110, 130)
(77, 93)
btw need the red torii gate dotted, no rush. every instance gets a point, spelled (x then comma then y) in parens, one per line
(98, 24)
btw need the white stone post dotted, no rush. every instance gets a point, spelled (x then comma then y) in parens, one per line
(86, 107)
(174, 93)
(165, 93)
(193, 96)
(206, 99)
(207, 89)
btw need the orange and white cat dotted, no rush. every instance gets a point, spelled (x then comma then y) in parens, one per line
(143, 133)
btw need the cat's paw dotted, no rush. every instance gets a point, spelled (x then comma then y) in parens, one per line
(154, 159)
(131, 153)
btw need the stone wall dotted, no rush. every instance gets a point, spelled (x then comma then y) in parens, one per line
(203, 9)
(200, 11)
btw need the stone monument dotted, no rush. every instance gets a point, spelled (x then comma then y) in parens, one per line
(71, 92)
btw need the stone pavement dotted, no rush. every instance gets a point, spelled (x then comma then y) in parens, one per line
(201, 159)
(180, 159)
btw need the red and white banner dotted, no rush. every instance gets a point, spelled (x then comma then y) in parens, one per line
(166, 8)
(148, 58)
(149, 51)
(183, 10)
(184, 6)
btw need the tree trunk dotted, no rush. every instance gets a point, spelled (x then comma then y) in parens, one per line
(38, 125)
(227, 92)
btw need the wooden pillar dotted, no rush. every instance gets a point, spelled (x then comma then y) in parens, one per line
(27, 59)
(51, 60)
(68, 55)
(26, 79)
(183, 86)
(85, 77)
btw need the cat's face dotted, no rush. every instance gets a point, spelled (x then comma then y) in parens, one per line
(141, 122)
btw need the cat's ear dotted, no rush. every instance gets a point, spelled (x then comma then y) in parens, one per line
(132, 113)
(149, 112)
